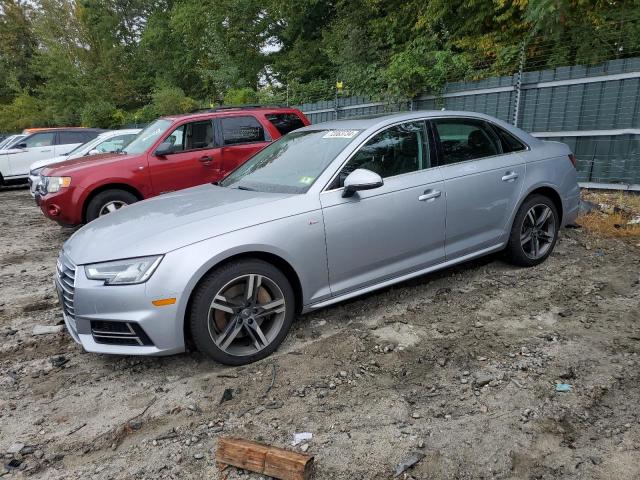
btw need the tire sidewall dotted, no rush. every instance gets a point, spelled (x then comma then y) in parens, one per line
(514, 249)
(199, 311)
(101, 199)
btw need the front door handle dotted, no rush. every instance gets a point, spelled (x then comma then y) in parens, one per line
(47, 150)
(509, 176)
(205, 159)
(429, 195)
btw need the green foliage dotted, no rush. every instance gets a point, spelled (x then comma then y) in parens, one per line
(239, 96)
(112, 62)
(101, 114)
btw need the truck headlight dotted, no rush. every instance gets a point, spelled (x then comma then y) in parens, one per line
(54, 184)
(123, 272)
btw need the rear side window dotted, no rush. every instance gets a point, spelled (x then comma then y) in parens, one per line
(67, 138)
(285, 122)
(465, 139)
(44, 139)
(508, 141)
(238, 130)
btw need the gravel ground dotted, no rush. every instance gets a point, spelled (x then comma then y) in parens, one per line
(456, 369)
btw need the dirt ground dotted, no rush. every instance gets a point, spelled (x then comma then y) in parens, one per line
(457, 369)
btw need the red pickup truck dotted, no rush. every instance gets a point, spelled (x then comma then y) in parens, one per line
(170, 154)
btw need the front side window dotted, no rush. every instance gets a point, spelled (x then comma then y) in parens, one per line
(291, 164)
(191, 136)
(397, 150)
(237, 130)
(465, 139)
(44, 139)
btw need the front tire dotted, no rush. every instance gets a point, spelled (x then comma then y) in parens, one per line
(108, 202)
(242, 312)
(534, 232)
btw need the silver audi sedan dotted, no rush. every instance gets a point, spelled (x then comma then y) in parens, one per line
(327, 213)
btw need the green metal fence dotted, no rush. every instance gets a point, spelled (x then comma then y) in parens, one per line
(594, 109)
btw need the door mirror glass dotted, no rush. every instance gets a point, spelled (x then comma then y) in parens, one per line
(21, 146)
(361, 179)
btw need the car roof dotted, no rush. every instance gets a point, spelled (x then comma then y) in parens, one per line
(374, 123)
(113, 133)
(382, 120)
(232, 111)
(29, 131)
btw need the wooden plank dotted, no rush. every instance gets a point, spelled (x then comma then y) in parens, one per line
(273, 461)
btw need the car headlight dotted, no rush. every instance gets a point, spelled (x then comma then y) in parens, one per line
(123, 272)
(54, 184)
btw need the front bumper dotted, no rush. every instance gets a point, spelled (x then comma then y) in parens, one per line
(34, 182)
(64, 207)
(92, 310)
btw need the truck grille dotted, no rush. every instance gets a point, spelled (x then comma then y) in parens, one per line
(66, 277)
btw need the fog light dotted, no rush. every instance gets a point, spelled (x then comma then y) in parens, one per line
(53, 210)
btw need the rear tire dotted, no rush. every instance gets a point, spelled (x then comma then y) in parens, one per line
(241, 312)
(108, 202)
(534, 232)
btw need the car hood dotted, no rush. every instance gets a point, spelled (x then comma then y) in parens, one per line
(68, 167)
(165, 223)
(46, 162)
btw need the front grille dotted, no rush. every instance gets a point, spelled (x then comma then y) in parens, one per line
(66, 278)
(119, 333)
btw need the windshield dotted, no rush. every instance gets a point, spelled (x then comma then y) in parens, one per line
(291, 164)
(148, 136)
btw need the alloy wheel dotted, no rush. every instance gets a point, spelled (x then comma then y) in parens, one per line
(111, 207)
(246, 314)
(538, 231)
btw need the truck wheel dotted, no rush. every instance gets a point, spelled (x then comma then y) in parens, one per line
(107, 202)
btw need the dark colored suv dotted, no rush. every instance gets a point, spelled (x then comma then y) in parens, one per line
(170, 154)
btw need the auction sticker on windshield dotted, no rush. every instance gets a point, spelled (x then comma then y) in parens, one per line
(341, 134)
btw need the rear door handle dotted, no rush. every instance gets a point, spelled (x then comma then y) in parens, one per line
(509, 176)
(429, 195)
(205, 159)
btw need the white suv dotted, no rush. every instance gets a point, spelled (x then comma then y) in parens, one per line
(107, 142)
(15, 162)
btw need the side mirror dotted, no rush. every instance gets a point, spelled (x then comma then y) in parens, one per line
(361, 179)
(21, 146)
(164, 148)
(93, 152)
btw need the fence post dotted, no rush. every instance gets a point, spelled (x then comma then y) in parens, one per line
(518, 86)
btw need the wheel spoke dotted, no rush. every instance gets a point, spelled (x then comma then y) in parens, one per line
(252, 287)
(546, 236)
(229, 334)
(222, 304)
(111, 208)
(543, 217)
(276, 306)
(256, 334)
(525, 238)
(536, 247)
(531, 217)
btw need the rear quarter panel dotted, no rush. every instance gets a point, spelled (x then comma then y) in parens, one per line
(548, 165)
